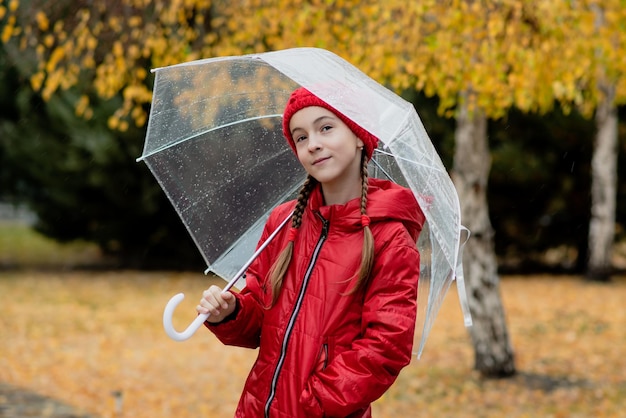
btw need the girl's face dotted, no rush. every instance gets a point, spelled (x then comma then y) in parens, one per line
(327, 149)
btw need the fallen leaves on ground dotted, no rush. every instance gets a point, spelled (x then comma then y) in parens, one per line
(95, 340)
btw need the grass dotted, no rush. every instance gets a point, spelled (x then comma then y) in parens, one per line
(82, 336)
(21, 246)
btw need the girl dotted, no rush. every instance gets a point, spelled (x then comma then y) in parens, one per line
(331, 302)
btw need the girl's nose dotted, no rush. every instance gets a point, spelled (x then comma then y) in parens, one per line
(314, 142)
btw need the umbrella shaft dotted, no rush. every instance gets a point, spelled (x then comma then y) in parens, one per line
(243, 269)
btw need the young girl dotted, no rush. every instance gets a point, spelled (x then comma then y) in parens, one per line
(331, 302)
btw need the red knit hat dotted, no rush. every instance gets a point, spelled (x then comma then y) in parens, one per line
(302, 98)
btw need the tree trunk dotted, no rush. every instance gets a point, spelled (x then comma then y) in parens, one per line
(603, 189)
(493, 352)
(603, 176)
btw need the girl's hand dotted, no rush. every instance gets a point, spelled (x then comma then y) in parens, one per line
(217, 304)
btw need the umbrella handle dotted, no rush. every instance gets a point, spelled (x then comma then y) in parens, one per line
(168, 312)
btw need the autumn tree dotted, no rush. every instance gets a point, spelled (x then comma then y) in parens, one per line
(482, 58)
(106, 47)
(472, 56)
(74, 137)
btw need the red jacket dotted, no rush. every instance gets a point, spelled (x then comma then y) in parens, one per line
(322, 352)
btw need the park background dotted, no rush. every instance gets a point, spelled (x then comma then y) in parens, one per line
(523, 100)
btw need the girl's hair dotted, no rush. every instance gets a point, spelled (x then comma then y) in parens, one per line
(367, 254)
(278, 270)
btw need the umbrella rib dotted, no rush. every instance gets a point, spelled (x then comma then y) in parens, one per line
(180, 141)
(380, 167)
(397, 157)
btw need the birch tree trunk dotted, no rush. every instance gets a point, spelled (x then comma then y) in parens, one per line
(603, 175)
(603, 189)
(472, 162)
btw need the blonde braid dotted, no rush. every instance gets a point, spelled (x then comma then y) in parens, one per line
(278, 270)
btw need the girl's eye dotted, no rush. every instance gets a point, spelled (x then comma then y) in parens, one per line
(326, 128)
(300, 138)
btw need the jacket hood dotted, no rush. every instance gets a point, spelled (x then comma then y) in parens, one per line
(386, 201)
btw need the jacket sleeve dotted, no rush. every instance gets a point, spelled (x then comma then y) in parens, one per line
(244, 329)
(360, 375)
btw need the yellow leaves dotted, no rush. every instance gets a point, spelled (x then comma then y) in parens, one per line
(133, 52)
(82, 108)
(88, 62)
(9, 30)
(116, 122)
(495, 27)
(492, 45)
(108, 81)
(137, 93)
(111, 48)
(157, 46)
(507, 52)
(138, 115)
(48, 40)
(42, 21)
(56, 56)
(36, 80)
(115, 24)
(58, 27)
(140, 75)
(92, 43)
(52, 82)
(102, 333)
(118, 49)
(135, 21)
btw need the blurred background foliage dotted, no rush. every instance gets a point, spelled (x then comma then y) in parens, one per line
(75, 92)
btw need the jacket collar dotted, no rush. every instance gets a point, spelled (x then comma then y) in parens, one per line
(386, 201)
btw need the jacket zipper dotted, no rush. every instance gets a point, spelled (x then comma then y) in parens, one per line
(294, 315)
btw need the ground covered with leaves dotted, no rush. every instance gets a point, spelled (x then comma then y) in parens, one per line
(95, 340)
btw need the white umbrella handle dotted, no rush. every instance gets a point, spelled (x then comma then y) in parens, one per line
(168, 312)
(169, 327)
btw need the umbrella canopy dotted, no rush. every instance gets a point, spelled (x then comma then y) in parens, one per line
(215, 145)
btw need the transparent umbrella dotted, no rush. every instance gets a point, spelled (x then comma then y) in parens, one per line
(214, 143)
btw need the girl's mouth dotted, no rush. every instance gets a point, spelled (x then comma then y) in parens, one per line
(320, 160)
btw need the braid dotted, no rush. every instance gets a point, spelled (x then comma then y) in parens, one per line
(278, 270)
(367, 254)
(303, 198)
(364, 185)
